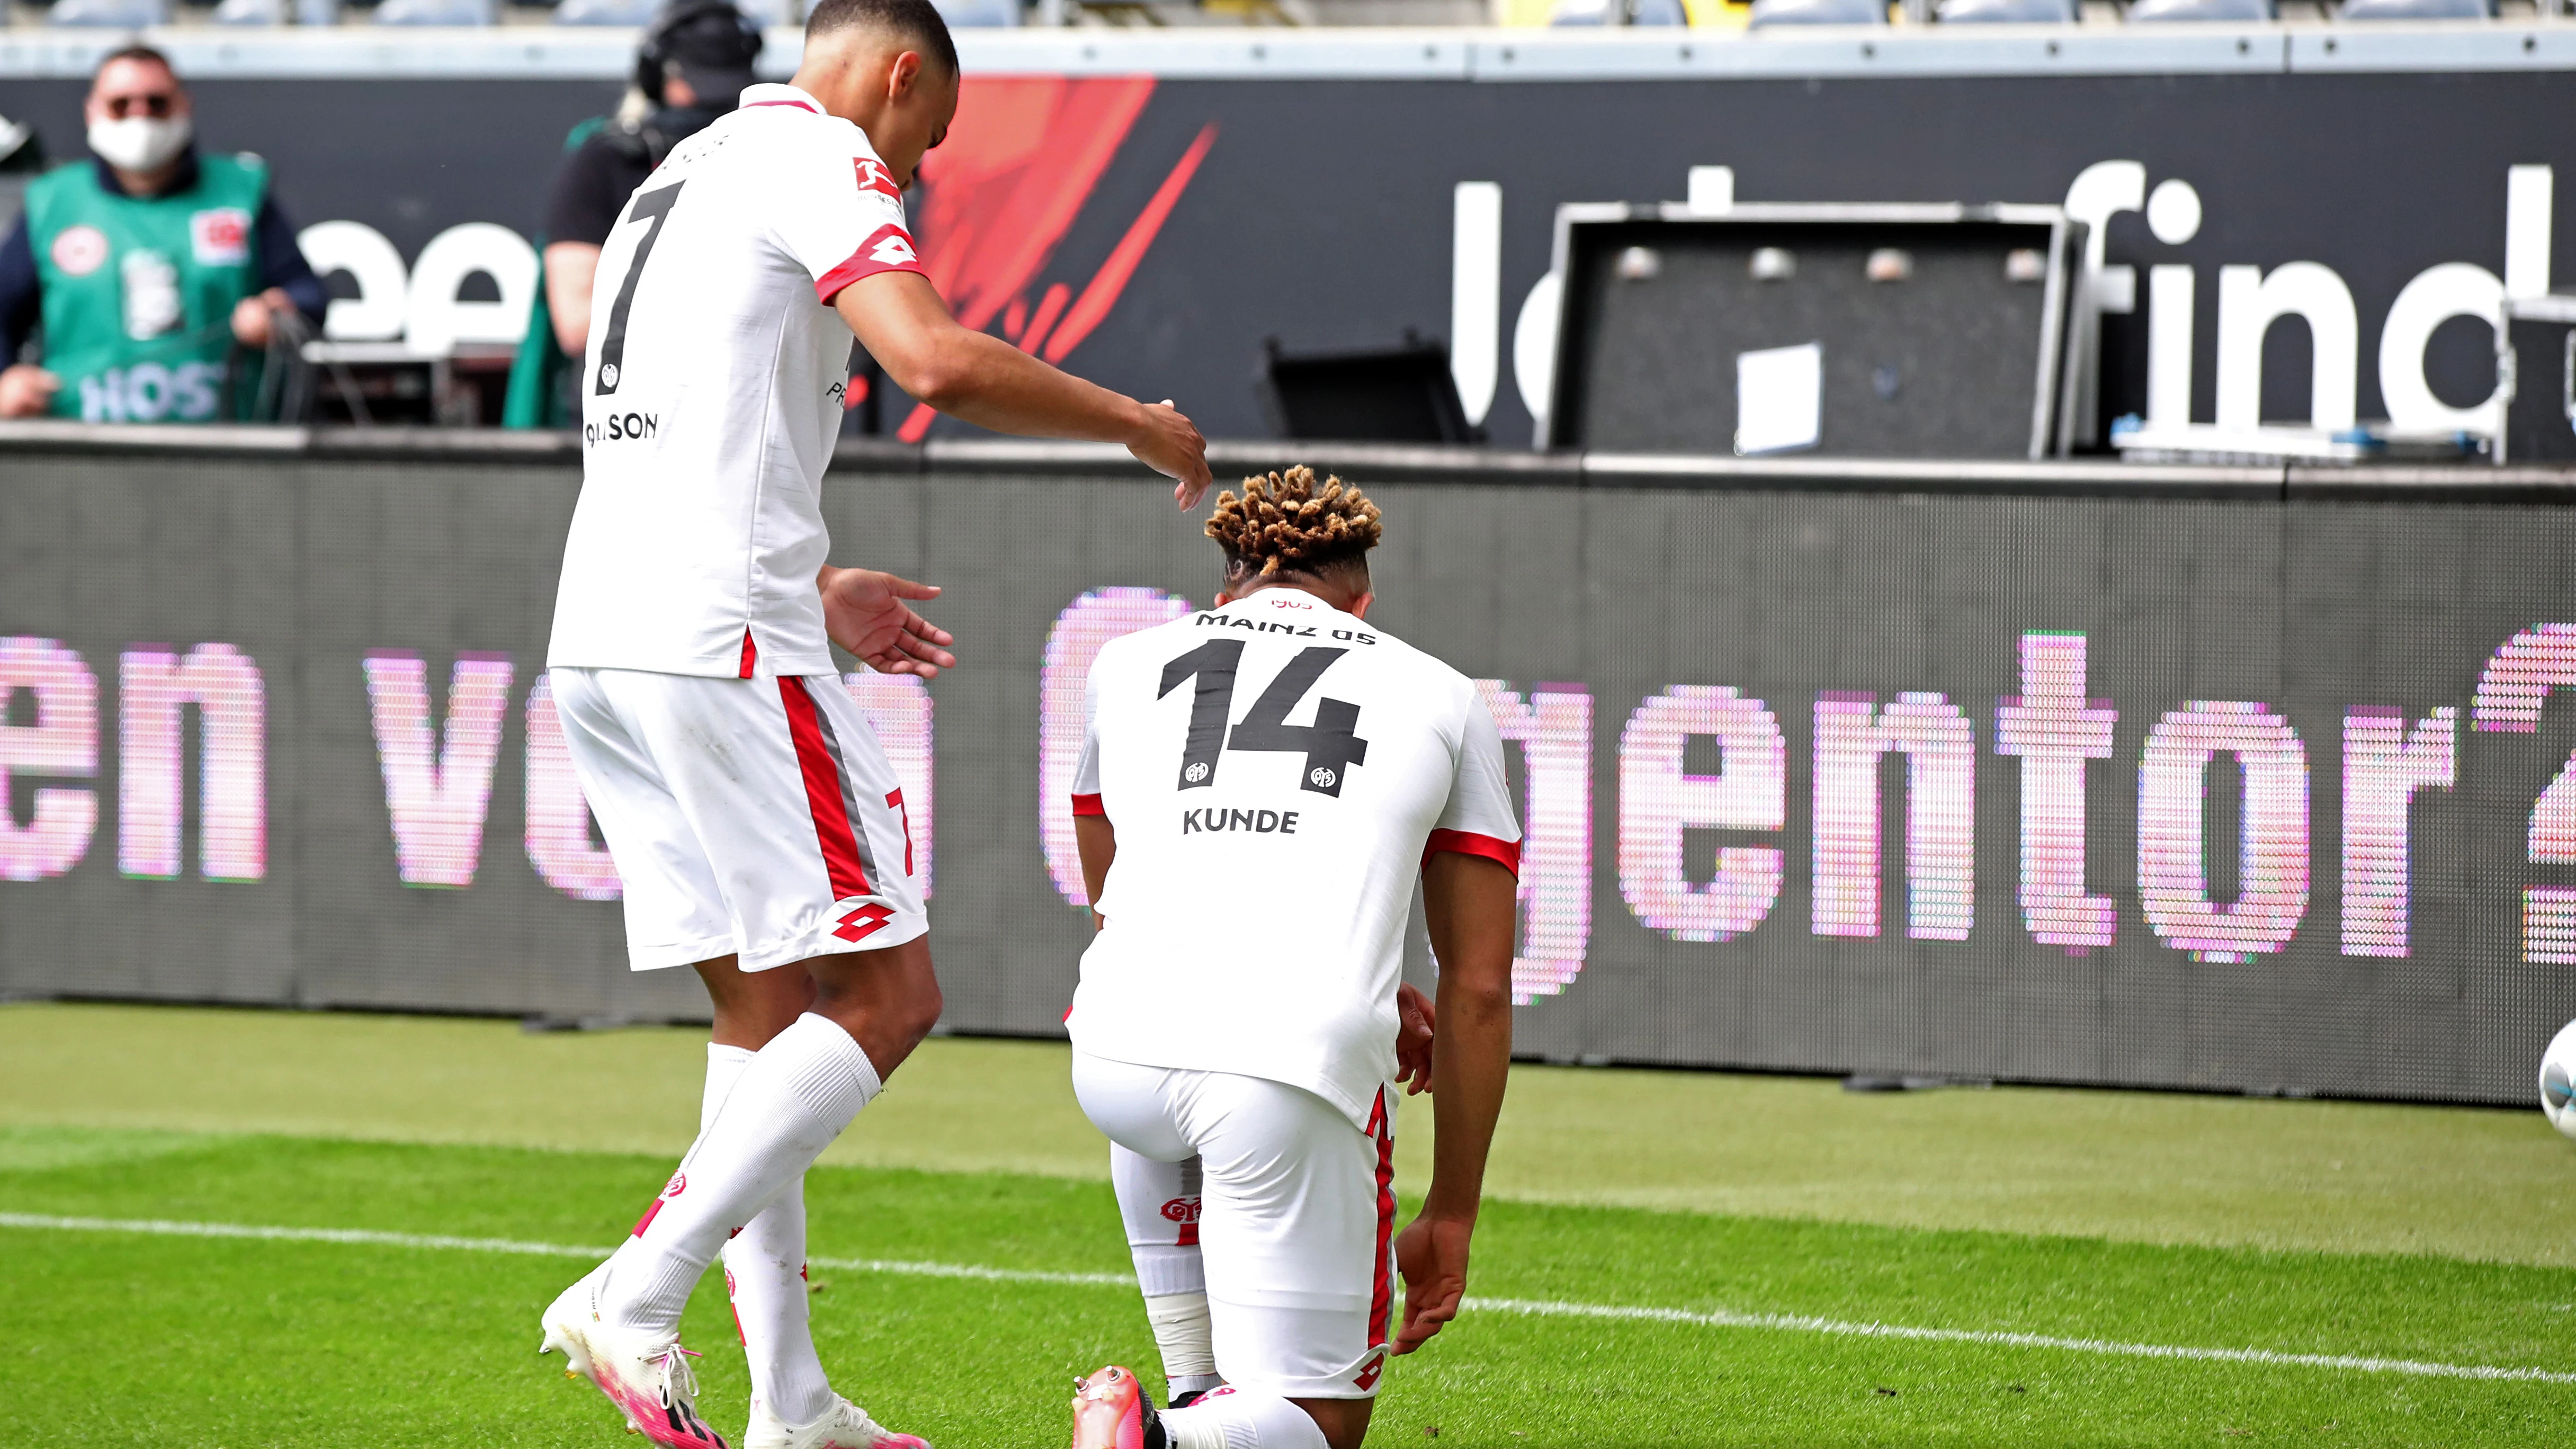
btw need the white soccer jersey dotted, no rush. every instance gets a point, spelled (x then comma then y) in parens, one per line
(711, 392)
(1276, 771)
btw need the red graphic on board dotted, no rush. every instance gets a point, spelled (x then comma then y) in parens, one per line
(1001, 192)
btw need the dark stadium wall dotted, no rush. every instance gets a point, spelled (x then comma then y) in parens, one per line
(2157, 780)
(1296, 219)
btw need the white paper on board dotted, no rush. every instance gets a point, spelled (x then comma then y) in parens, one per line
(1779, 398)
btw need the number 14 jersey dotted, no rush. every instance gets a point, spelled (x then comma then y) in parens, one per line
(711, 392)
(1276, 771)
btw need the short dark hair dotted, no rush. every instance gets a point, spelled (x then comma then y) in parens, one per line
(918, 21)
(143, 53)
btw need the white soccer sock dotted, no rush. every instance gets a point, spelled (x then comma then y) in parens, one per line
(1237, 1420)
(1182, 1336)
(789, 1103)
(1173, 1274)
(765, 1276)
(1162, 1269)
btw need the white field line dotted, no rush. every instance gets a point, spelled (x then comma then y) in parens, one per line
(162, 1228)
(1796, 1323)
(1527, 1307)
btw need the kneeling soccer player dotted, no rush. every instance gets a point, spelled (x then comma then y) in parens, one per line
(1239, 1008)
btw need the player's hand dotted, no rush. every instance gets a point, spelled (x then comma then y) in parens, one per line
(1415, 1019)
(1171, 446)
(27, 390)
(1431, 1253)
(864, 612)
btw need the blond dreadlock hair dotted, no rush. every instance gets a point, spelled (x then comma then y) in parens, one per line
(1286, 521)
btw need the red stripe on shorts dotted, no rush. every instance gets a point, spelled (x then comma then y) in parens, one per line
(833, 828)
(750, 653)
(1382, 1290)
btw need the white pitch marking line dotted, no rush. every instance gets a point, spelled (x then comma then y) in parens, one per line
(1527, 1307)
(365, 1238)
(1795, 1323)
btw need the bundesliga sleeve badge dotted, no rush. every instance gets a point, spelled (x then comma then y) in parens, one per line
(873, 176)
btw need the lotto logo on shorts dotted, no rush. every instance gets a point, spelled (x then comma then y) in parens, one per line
(1368, 1377)
(862, 923)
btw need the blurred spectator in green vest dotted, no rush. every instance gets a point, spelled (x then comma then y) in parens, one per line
(148, 267)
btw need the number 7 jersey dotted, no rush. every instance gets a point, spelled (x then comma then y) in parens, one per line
(1276, 771)
(711, 393)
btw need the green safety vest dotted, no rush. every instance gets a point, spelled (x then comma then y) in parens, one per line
(139, 291)
(536, 396)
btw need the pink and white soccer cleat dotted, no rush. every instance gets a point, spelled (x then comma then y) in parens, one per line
(1111, 1411)
(844, 1426)
(648, 1379)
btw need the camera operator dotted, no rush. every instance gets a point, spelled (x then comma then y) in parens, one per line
(690, 69)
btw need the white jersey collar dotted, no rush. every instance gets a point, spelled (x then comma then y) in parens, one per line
(1280, 599)
(768, 94)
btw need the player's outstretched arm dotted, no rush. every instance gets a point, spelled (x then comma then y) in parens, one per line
(901, 320)
(1468, 902)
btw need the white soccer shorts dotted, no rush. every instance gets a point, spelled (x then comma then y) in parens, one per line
(755, 818)
(1296, 1222)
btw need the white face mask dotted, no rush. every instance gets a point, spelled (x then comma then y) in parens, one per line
(139, 143)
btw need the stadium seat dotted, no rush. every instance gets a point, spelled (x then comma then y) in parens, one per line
(604, 12)
(1606, 12)
(1817, 12)
(2417, 10)
(2157, 12)
(981, 14)
(2007, 12)
(435, 12)
(125, 14)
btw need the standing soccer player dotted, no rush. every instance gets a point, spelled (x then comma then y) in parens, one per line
(755, 823)
(1251, 865)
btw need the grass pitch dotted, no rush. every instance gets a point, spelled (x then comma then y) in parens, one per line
(114, 1336)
